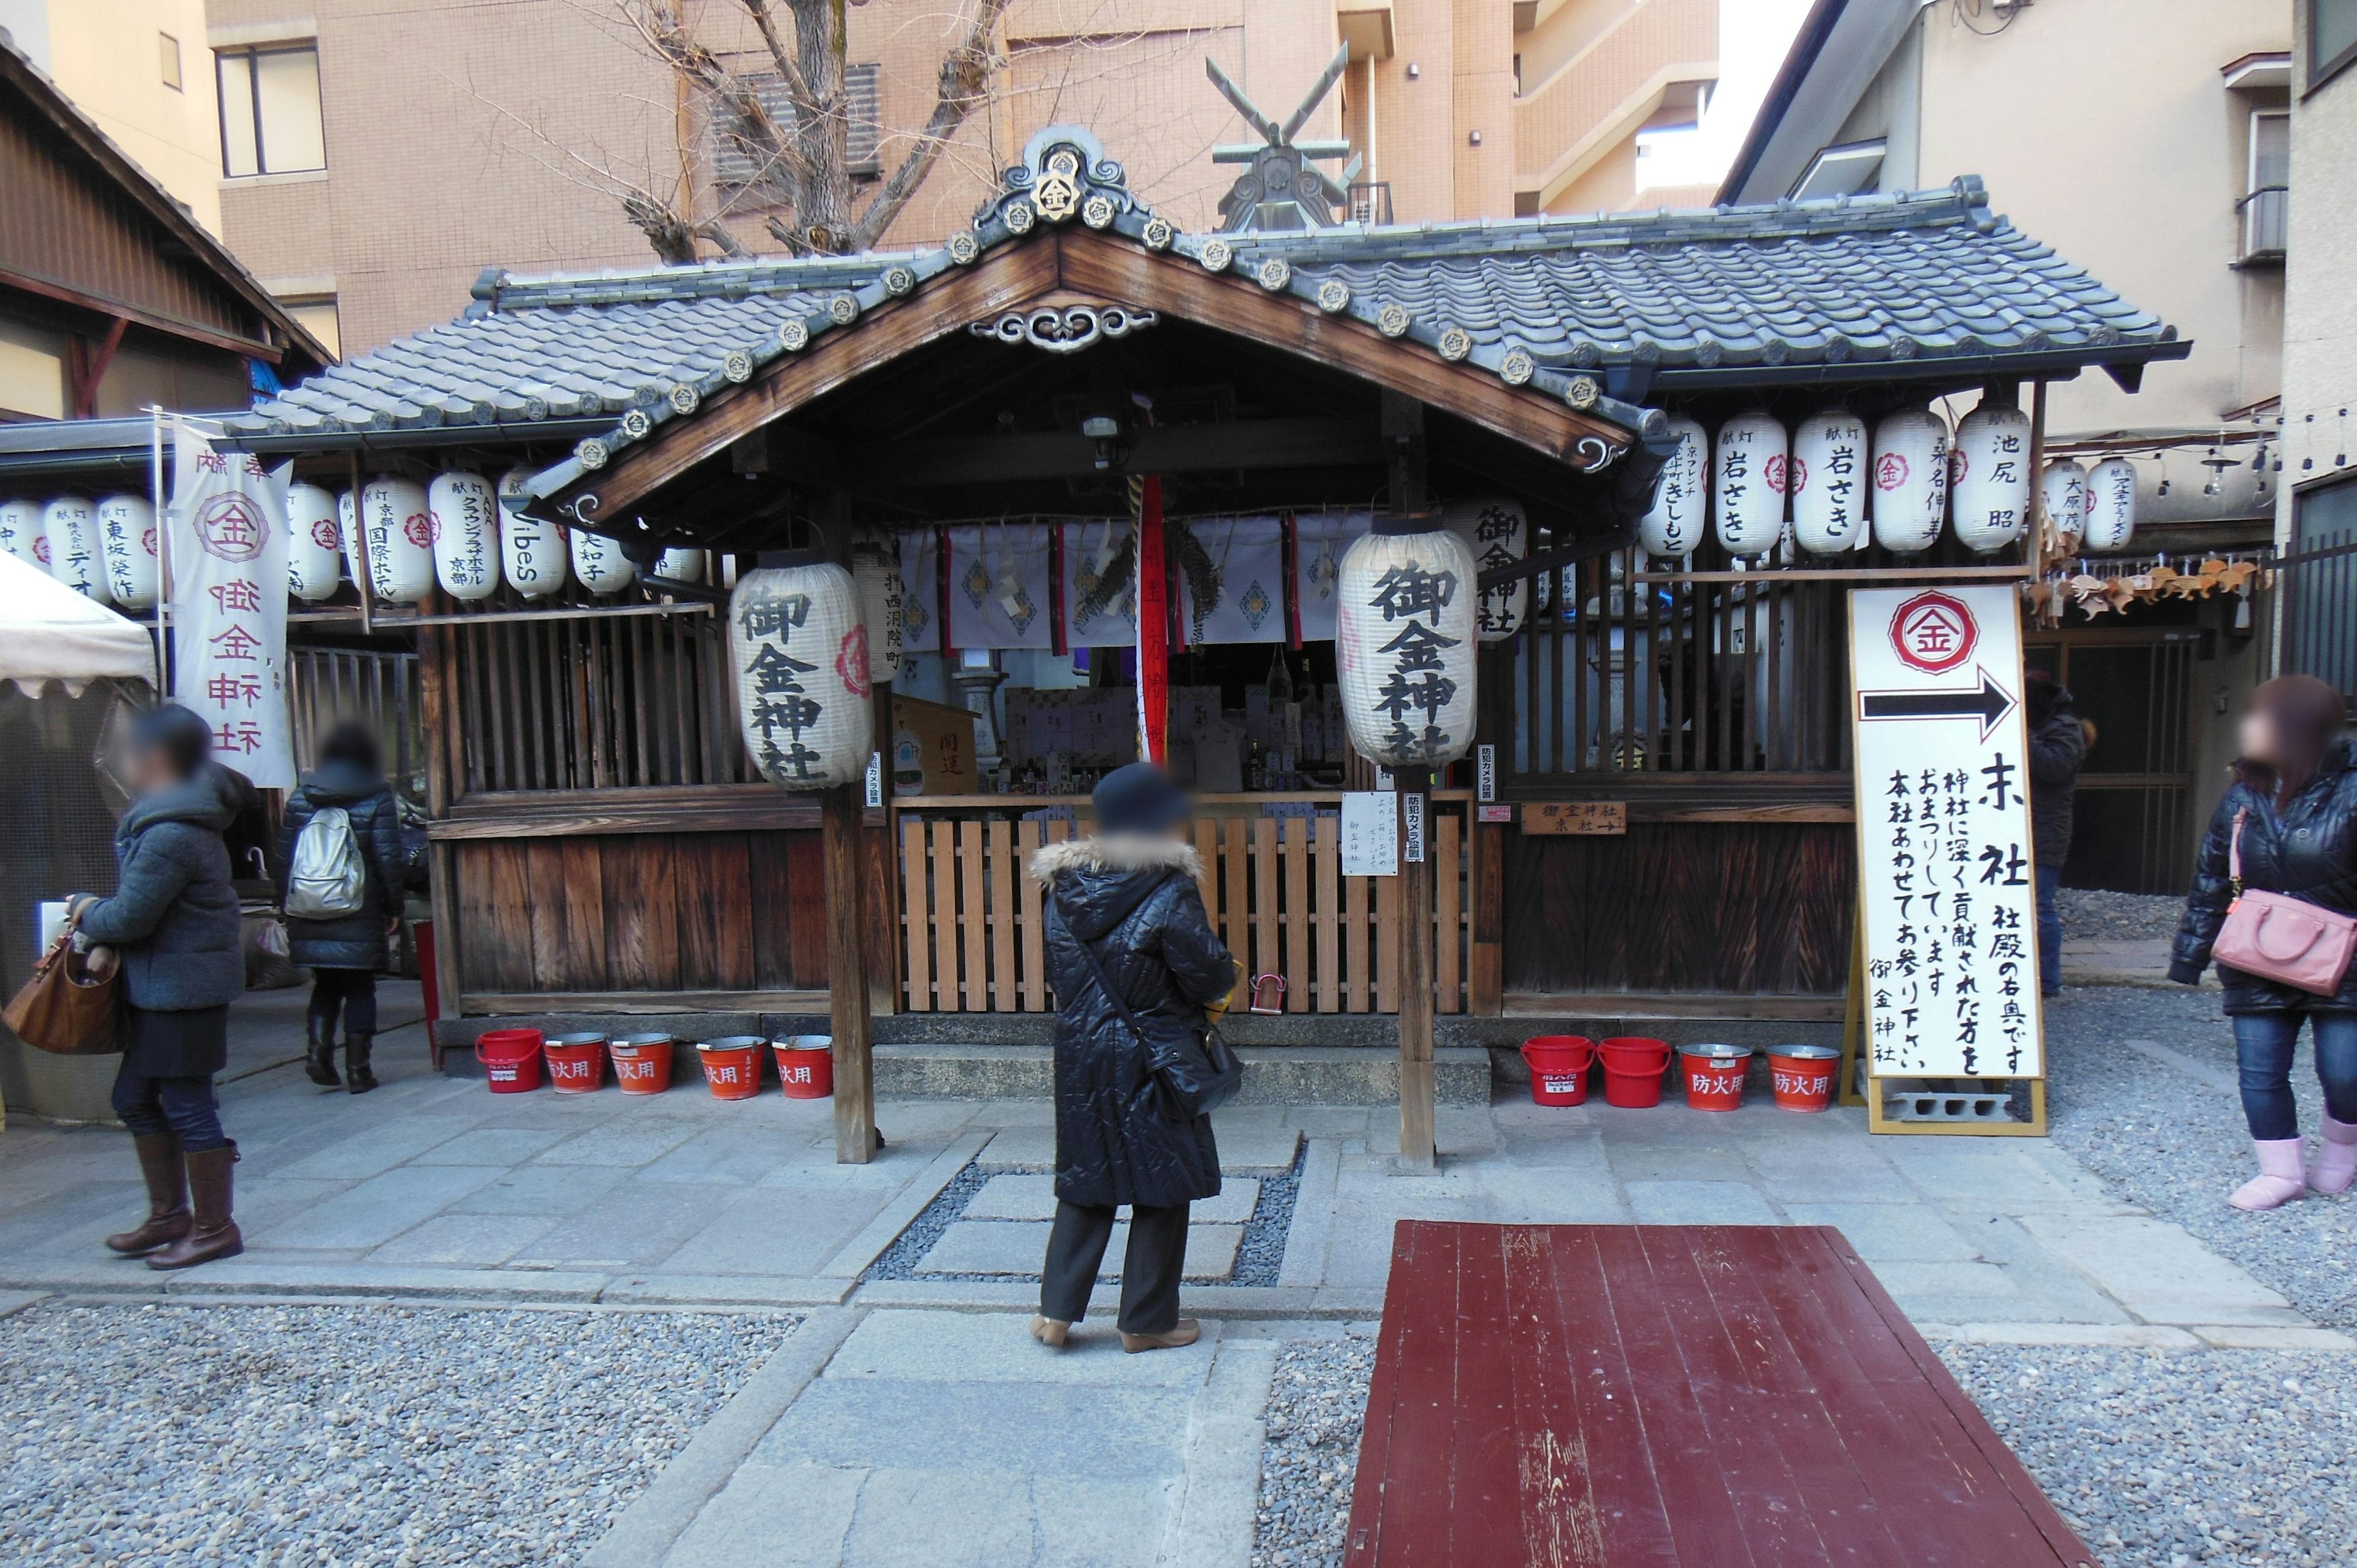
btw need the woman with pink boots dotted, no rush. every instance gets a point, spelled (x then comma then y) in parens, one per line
(2290, 819)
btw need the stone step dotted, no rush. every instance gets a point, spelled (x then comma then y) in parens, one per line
(1274, 1075)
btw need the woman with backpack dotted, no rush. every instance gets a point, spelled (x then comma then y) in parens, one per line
(340, 845)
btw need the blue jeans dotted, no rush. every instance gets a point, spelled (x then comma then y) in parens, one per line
(2265, 1041)
(2050, 930)
(182, 1105)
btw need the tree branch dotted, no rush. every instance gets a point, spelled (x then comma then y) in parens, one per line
(797, 88)
(966, 71)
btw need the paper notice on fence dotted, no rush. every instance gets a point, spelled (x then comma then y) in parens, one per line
(1950, 892)
(227, 547)
(1369, 833)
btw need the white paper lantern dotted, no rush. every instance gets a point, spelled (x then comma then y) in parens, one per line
(1681, 496)
(465, 531)
(397, 537)
(2111, 504)
(1989, 479)
(126, 538)
(314, 543)
(1499, 533)
(1405, 636)
(800, 649)
(70, 528)
(1828, 482)
(2064, 490)
(1911, 479)
(883, 601)
(348, 524)
(535, 550)
(681, 566)
(600, 565)
(1748, 480)
(20, 532)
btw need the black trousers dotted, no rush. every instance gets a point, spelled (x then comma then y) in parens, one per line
(351, 992)
(1149, 1273)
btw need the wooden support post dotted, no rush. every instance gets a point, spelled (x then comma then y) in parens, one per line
(1417, 1083)
(439, 705)
(843, 815)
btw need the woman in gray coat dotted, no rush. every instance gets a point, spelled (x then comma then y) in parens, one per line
(172, 926)
(345, 952)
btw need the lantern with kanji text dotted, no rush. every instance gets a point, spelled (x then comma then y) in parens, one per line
(1910, 480)
(397, 539)
(70, 529)
(127, 540)
(534, 550)
(2111, 504)
(1828, 482)
(1750, 473)
(1405, 635)
(465, 534)
(883, 601)
(1672, 527)
(314, 543)
(600, 564)
(2063, 487)
(1989, 479)
(798, 645)
(1499, 533)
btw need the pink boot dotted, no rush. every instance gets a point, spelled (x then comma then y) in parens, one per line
(2335, 1164)
(2279, 1179)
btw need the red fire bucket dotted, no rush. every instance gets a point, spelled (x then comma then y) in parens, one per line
(1559, 1064)
(1715, 1076)
(641, 1063)
(577, 1063)
(806, 1066)
(1803, 1076)
(510, 1060)
(732, 1066)
(1632, 1070)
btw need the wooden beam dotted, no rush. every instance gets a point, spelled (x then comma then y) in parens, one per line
(1259, 444)
(509, 1003)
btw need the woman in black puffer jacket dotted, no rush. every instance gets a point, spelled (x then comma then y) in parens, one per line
(345, 952)
(2296, 792)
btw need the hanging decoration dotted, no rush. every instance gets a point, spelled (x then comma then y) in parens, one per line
(875, 568)
(465, 531)
(397, 531)
(20, 532)
(1320, 541)
(70, 528)
(314, 544)
(681, 566)
(1232, 579)
(533, 552)
(1828, 482)
(921, 575)
(1748, 483)
(2111, 504)
(599, 564)
(1681, 498)
(126, 539)
(1910, 480)
(1989, 479)
(2063, 490)
(1099, 584)
(1499, 533)
(800, 647)
(1000, 577)
(1404, 641)
(2149, 581)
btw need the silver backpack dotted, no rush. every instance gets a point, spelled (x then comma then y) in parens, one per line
(327, 878)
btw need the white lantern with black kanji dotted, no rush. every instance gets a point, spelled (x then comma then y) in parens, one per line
(314, 544)
(532, 551)
(1405, 636)
(600, 564)
(71, 527)
(127, 542)
(1910, 480)
(2064, 488)
(1747, 479)
(1828, 482)
(2111, 504)
(397, 539)
(465, 534)
(800, 649)
(1499, 534)
(1681, 496)
(681, 565)
(1989, 479)
(883, 602)
(21, 532)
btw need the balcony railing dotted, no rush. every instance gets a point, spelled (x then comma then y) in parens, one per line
(2266, 214)
(1370, 201)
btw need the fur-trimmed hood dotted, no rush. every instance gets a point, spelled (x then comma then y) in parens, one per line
(1095, 884)
(1117, 854)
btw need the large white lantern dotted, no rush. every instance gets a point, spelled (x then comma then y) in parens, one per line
(600, 565)
(2111, 504)
(1681, 498)
(2063, 487)
(1748, 482)
(800, 649)
(1910, 480)
(1989, 479)
(1828, 482)
(20, 532)
(465, 534)
(1499, 533)
(71, 527)
(397, 537)
(314, 543)
(683, 565)
(883, 602)
(1405, 635)
(535, 550)
(348, 524)
(126, 538)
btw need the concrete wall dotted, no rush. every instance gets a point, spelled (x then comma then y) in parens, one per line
(107, 57)
(2320, 334)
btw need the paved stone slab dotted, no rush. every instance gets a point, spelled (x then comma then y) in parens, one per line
(371, 1150)
(635, 1225)
(1028, 1196)
(2160, 1272)
(1912, 1281)
(1034, 1147)
(477, 1240)
(743, 1236)
(997, 1348)
(2259, 1337)
(983, 1430)
(1017, 1247)
(542, 1190)
(1886, 1233)
(376, 1210)
(1699, 1203)
(2120, 1335)
(622, 1142)
(770, 1516)
(13, 1301)
(490, 1147)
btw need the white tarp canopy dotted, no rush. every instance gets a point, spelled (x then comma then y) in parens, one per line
(49, 632)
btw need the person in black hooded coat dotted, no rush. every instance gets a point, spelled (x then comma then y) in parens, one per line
(1130, 894)
(345, 952)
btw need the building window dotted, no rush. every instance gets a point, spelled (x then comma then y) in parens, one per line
(168, 53)
(1843, 170)
(735, 168)
(270, 111)
(2267, 192)
(2332, 39)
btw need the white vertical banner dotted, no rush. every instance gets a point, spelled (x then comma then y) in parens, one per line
(228, 559)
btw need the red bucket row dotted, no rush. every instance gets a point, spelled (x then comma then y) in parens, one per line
(514, 1059)
(1634, 1066)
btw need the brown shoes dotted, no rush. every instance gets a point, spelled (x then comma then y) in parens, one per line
(1050, 1331)
(168, 1197)
(211, 1232)
(1185, 1331)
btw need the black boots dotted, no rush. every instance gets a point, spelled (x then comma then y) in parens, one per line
(319, 1056)
(357, 1077)
(168, 1197)
(211, 1232)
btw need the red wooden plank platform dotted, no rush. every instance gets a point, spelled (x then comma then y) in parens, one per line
(1702, 1396)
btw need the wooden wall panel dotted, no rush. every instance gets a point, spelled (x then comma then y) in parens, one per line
(806, 908)
(715, 911)
(770, 864)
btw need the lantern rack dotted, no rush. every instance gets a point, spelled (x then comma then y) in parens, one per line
(493, 617)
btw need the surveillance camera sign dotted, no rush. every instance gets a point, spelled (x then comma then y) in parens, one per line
(1948, 889)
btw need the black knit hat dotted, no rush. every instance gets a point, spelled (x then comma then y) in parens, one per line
(1139, 798)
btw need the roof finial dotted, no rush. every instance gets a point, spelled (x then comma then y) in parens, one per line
(1280, 189)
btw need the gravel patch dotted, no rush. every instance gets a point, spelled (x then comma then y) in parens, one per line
(2176, 1145)
(363, 1436)
(2117, 917)
(1261, 1255)
(2219, 1457)
(1316, 1407)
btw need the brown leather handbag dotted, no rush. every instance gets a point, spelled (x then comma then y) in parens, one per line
(62, 1010)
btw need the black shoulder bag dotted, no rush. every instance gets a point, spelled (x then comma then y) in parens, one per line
(1196, 1076)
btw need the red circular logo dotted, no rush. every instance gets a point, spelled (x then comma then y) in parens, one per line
(422, 529)
(147, 541)
(1957, 466)
(1890, 471)
(325, 535)
(1785, 474)
(230, 527)
(851, 661)
(1933, 632)
(41, 548)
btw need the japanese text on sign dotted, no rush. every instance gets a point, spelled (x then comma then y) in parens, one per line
(1576, 817)
(229, 606)
(1369, 833)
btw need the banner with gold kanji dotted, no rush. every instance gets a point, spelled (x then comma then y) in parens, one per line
(227, 549)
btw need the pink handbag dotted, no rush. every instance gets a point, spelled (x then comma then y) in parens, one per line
(2279, 938)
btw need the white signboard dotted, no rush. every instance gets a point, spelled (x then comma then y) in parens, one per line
(1949, 891)
(229, 606)
(1369, 833)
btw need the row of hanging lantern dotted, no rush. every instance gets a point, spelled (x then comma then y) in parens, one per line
(1827, 488)
(105, 550)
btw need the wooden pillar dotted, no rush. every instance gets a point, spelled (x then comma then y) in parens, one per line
(842, 812)
(439, 714)
(1418, 1087)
